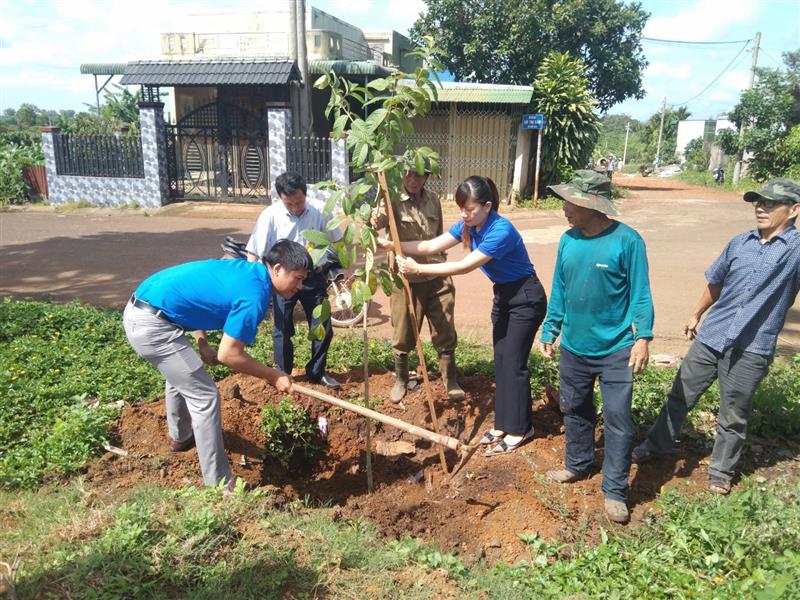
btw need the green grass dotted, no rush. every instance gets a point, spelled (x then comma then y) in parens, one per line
(547, 203)
(157, 543)
(58, 362)
(705, 178)
(66, 366)
(743, 546)
(160, 543)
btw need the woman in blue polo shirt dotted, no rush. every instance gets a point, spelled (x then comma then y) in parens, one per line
(520, 302)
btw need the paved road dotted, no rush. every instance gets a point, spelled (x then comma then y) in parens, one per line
(100, 255)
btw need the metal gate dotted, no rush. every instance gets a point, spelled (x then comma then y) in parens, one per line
(219, 152)
(469, 142)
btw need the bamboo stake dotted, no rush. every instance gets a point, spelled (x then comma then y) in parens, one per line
(436, 438)
(368, 434)
(410, 301)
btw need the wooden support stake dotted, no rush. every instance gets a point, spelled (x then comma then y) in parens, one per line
(410, 301)
(368, 433)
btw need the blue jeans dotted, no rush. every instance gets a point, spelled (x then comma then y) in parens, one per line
(577, 375)
(312, 293)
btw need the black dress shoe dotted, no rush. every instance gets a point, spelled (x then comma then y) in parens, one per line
(327, 381)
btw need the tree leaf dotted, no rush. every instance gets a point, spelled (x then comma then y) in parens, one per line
(317, 238)
(378, 84)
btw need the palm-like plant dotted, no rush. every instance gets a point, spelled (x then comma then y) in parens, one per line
(561, 93)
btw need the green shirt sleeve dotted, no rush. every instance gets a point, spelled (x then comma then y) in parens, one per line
(642, 313)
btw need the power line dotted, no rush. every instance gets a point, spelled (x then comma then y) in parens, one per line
(778, 62)
(658, 40)
(725, 70)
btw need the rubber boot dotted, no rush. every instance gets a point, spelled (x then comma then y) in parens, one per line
(447, 364)
(400, 378)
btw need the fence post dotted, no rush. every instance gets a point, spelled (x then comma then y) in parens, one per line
(50, 163)
(339, 170)
(154, 153)
(279, 121)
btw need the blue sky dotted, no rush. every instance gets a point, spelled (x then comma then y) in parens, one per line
(42, 44)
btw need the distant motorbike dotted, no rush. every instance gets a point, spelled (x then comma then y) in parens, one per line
(719, 175)
(646, 170)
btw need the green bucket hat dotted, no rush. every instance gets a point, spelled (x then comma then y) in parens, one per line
(588, 189)
(781, 190)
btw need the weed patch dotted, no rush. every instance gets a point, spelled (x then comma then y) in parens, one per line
(63, 366)
(700, 547)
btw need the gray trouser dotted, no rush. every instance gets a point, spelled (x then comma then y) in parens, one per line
(739, 374)
(193, 403)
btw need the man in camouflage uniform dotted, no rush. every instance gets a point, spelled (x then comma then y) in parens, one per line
(419, 217)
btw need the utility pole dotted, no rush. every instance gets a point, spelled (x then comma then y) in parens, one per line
(294, 90)
(737, 169)
(302, 64)
(625, 149)
(660, 133)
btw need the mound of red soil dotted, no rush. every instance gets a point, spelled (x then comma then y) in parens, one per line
(481, 515)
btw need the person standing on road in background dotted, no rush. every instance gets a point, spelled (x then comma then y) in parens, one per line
(231, 295)
(418, 214)
(602, 308)
(519, 304)
(286, 220)
(751, 287)
(611, 164)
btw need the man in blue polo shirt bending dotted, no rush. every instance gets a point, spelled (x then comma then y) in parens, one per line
(602, 307)
(231, 295)
(751, 287)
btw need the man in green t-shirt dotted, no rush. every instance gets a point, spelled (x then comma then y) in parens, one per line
(602, 308)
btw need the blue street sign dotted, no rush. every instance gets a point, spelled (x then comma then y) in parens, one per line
(535, 121)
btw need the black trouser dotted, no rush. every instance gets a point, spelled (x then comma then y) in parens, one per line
(312, 293)
(518, 311)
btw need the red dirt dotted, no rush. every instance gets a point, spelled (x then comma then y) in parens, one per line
(479, 517)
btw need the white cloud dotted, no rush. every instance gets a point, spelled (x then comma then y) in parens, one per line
(735, 80)
(347, 6)
(702, 20)
(724, 96)
(406, 9)
(662, 69)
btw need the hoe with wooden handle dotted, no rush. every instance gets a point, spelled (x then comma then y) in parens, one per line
(465, 451)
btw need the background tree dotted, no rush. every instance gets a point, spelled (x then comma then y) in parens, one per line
(697, 156)
(561, 93)
(768, 112)
(505, 41)
(611, 139)
(669, 137)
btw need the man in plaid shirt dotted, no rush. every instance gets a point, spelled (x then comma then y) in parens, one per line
(751, 287)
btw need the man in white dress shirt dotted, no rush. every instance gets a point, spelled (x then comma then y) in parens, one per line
(286, 220)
